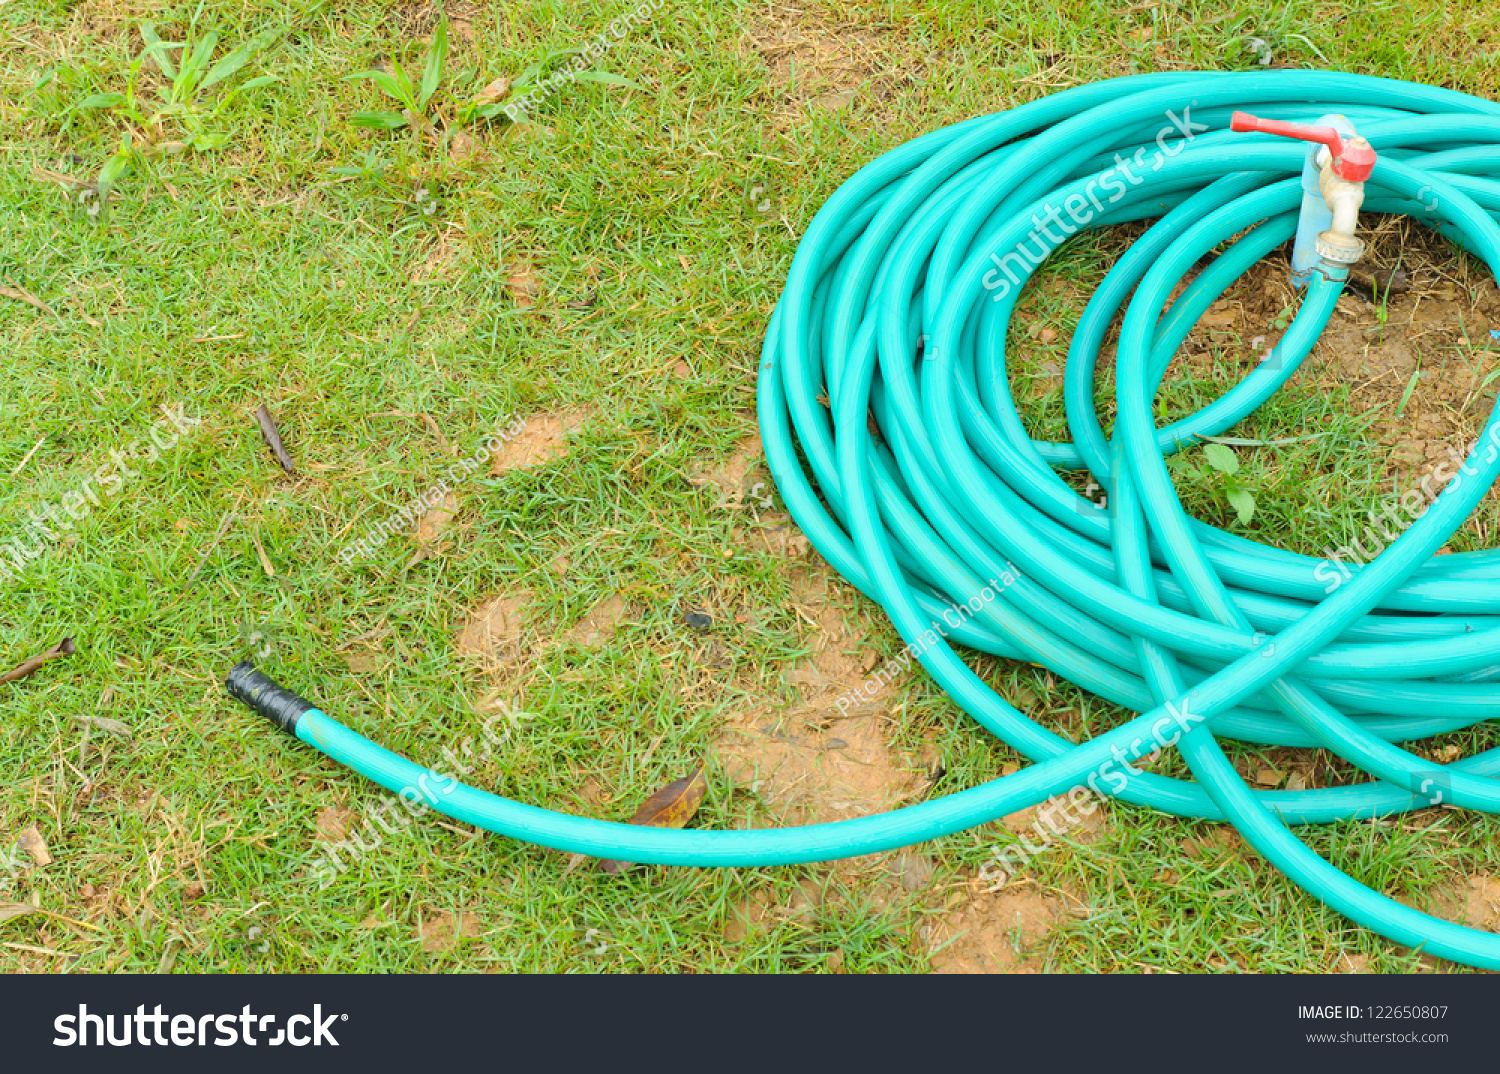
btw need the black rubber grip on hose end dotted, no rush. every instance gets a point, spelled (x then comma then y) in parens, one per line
(266, 696)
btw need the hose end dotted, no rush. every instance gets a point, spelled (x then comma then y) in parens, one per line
(266, 696)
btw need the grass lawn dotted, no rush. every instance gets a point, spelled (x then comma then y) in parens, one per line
(594, 286)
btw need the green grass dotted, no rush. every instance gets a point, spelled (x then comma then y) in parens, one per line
(677, 210)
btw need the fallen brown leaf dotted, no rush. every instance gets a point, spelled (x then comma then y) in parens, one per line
(272, 436)
(90, 321)
(62, 648)
(32, 842)
(671, 807)
(104, 723)
(497, 90)
(46, 175)
(462, 145)
(9, 910)
(20, 294)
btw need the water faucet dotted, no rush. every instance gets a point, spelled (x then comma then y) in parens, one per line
(1344, 162)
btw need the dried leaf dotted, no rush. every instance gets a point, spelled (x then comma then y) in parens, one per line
(497, 90)
(671, 807)
(169, 954)
(20, 294)
(104, 723)
(9, 910)
(32, 842)
(265, 560)
(62, 648)
(272, 436)
(45, 175)
(462, 145)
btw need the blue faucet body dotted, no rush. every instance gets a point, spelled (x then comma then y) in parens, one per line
(1316, 216)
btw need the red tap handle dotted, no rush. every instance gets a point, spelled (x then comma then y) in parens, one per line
(1353, 159)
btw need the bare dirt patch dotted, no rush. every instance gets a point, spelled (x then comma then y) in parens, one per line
(730, 475)
(421, 18)
(1482, 903)
(1435, 332)
(742, 482)
(1002, 933)
(599, 625)
(1428, 333)
(436, 519)
(1474, 902)
(1040, 824)
(805, 756)
(493, 634)
(440, 260)
(816, 760)
(443, 931)
(1470, 901)
(762, 910)
(823, 61)
(544, 437)
(108, 19)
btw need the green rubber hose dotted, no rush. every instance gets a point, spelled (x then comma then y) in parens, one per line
(898, 304)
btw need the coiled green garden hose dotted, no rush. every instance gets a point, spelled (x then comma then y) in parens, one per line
(898, 303)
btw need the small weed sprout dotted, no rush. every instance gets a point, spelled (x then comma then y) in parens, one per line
(1223, 468)
(420, 109)
(182, 98)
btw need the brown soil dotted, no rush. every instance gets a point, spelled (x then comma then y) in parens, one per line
(816, 760)
(494, 633)
(819, 60)
(544, 437)
(599, 625)
(1437, 327)
(1002, 933)
(443, 931)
